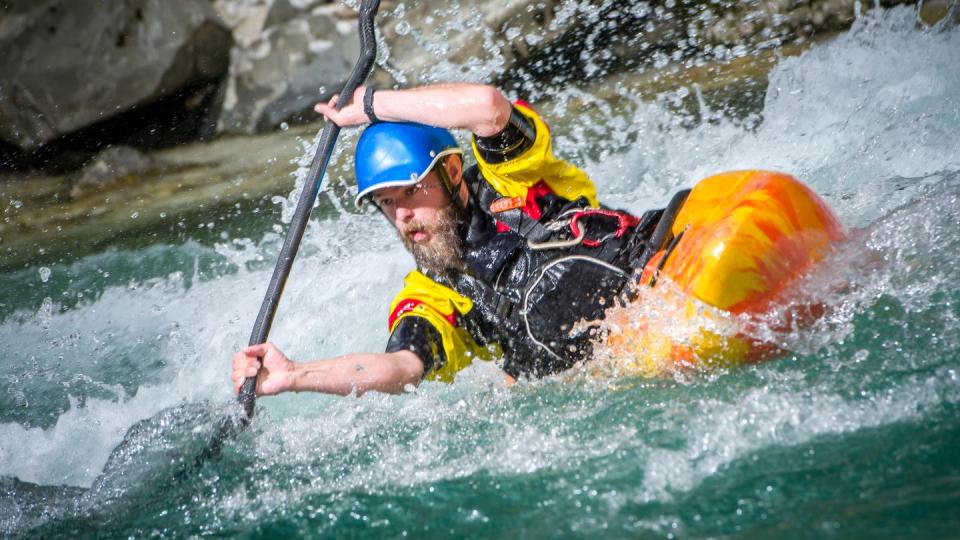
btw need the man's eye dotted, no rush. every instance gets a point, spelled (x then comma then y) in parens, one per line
(385, 202)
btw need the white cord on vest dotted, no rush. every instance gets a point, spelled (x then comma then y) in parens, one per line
(543, 272)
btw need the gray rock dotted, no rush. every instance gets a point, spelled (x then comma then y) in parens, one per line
(284, 11)
(68, 64)
(110, 165)
(248, 19)
(288, 69)
(245, 18)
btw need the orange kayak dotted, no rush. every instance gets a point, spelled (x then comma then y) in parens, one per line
(737, 244)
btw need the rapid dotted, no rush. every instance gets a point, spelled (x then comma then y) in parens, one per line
(117, 363)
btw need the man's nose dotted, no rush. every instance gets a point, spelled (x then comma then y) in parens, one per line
(404, 213)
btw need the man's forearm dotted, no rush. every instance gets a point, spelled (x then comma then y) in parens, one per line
(479, 108)
(362, 372)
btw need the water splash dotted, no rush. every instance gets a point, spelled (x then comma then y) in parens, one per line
(699, 454)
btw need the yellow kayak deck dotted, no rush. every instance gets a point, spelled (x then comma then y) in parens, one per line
(740, 240)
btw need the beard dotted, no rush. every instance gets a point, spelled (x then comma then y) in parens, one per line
(442, 254)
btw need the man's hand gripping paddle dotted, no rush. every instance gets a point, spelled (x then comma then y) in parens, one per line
(291, 244)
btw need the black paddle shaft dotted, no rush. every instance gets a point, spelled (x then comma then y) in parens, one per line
(291, 244)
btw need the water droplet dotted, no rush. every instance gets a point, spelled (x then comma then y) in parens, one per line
(45, 313)
(44, 274)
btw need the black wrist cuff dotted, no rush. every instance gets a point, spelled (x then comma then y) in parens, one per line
(513, 140)
(368, 104)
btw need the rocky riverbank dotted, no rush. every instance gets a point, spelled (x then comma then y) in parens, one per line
(128, 197)
(151, 74)
(87, 123)
(46, 217)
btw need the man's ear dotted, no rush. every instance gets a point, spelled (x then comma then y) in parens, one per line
(454, 166)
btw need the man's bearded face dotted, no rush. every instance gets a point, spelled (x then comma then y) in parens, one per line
(442, 251)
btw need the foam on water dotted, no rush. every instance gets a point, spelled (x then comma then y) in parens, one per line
(182, 337)
(868, 119)
(851, 117)
(723, 432)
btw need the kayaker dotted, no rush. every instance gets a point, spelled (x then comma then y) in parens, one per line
(515, 257)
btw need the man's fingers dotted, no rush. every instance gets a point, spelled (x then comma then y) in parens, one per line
(329, 113)
(240, 375)
(247, 363)
(258, 350)
(324, 108)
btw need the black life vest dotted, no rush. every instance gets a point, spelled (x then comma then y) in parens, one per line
(535, 292)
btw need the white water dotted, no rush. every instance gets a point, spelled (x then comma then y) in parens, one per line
(852, 117)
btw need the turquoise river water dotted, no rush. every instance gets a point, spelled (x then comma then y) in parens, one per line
(117, 363)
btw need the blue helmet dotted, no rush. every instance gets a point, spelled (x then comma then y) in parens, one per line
(391, 154)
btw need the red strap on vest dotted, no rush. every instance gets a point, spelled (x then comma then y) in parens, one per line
(624, 222)
(530, 206)
(406, 306)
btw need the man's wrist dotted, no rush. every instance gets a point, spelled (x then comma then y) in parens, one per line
(292, 378)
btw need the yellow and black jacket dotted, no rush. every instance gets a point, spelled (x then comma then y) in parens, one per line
(517, 300)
